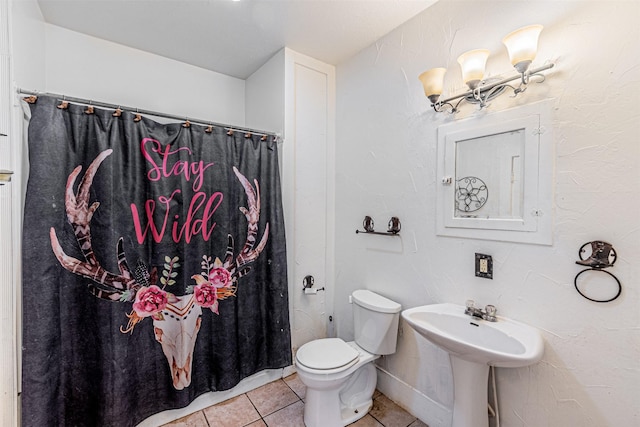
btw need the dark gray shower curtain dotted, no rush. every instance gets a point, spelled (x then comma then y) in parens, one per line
(154, 265)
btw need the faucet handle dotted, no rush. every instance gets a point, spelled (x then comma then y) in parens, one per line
(470, 307)
(490, 313)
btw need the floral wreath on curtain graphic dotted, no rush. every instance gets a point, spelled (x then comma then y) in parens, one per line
(176, 319)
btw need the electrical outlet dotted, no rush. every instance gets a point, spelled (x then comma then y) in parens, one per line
(484, 266)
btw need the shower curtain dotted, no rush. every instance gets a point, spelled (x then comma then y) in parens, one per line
(154, 265)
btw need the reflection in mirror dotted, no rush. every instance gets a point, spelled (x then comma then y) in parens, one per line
(490, 189)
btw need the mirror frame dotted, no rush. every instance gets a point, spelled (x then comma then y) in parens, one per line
(535, 226)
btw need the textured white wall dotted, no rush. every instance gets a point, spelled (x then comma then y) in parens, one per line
(28, 42)
(386, 166)
(82, 66)
(264, 96)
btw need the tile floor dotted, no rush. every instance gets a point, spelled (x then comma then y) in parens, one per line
(281, 404)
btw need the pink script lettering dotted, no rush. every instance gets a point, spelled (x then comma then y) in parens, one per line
(196, 222)
(164, 168)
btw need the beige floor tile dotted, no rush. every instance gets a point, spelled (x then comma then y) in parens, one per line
(271, 397)
(290, 416)
(389, 414)
(366, 421)
(294, 382)
(258, 423)
(194, 420)
(236, 412)
(418, 423)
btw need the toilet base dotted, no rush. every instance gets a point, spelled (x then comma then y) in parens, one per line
(351, 415)
(317, 415)
(340, 403)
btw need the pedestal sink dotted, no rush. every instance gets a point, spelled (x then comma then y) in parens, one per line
(474, 345)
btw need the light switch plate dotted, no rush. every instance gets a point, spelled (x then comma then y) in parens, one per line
(484, 266)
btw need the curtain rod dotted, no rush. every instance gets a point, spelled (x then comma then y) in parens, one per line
(150, 113)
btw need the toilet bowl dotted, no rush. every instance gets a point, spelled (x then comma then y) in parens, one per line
(341, 376)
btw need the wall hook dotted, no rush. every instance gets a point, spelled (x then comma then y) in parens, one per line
(368, 224)
(394, 225)
(603, 255)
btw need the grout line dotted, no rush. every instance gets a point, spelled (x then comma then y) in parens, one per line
(206, 420)
(257, 412)
(286, 406)
(254, 407)
(294, 392)
(280, 409)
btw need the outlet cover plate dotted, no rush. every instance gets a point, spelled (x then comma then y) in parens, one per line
(484, 266)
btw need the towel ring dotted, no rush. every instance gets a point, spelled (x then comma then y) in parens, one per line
(575, 283)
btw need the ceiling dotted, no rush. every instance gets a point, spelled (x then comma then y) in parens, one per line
(235, 37)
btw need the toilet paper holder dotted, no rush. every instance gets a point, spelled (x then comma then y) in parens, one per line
(307, 286)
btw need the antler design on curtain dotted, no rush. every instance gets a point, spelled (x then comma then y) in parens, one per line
(176, 319)
(79, 213)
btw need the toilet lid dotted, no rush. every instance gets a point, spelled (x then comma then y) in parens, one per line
(326, 353)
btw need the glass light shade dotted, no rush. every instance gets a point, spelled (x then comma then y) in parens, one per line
(472, 64)
(432, 82)
(522, 45)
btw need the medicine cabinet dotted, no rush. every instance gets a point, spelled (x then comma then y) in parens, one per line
(496, 176)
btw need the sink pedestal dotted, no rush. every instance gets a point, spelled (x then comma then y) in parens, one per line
(473, 344)
(470, 381)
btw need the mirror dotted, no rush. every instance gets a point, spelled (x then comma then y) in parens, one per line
(497, 176)
(490, 189)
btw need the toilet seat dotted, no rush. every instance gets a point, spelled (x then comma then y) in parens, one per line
(327, 354)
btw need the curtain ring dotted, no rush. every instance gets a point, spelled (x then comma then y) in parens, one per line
(186, 124)
(575, 283)
(89, 109)
(64, 104)
(209, 128)
(137, 117)
(230, 132)
(117, 112)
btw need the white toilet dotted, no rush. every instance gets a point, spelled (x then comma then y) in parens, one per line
(340, 376)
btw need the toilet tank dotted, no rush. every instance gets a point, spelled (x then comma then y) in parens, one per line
(375, 322)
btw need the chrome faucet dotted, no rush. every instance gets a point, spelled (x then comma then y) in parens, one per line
(488, 314)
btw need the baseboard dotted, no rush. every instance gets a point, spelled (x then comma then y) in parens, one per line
(413, 401)
(208, 399)
(288, 370)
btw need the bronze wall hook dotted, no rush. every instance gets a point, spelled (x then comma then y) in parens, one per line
(603, 255)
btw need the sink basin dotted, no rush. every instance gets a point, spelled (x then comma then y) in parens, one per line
(474, 345)
(504, 343)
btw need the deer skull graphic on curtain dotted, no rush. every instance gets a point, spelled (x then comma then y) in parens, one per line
(176, 319)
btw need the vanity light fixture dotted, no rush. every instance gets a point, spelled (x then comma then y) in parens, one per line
(522, 45)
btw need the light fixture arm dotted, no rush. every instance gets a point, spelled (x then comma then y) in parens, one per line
(485, 92)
